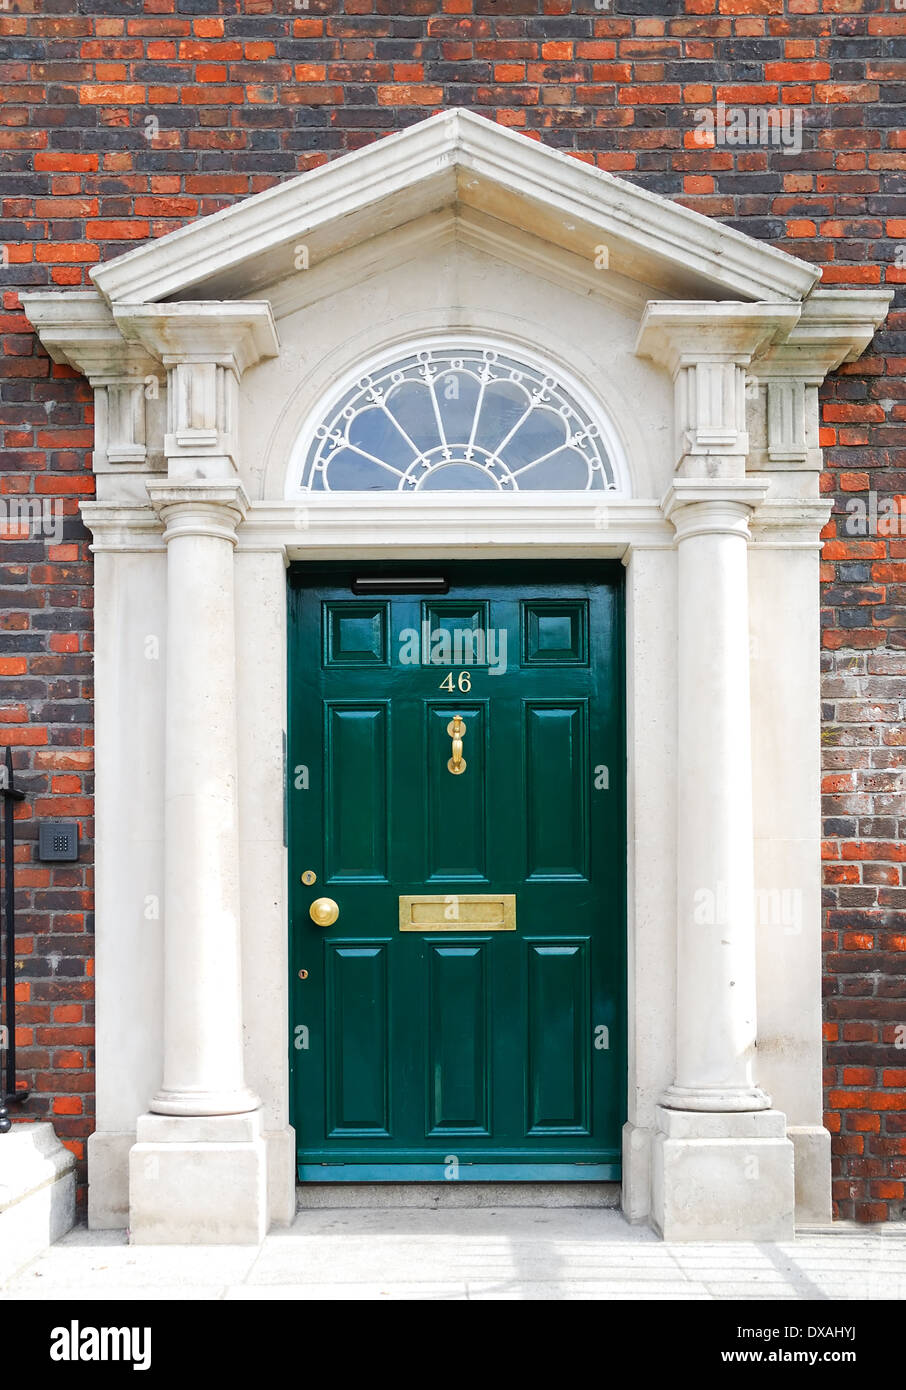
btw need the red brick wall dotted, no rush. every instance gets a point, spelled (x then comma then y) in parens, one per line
(245, 92)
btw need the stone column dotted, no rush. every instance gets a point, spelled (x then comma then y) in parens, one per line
(198, 1171)
(202, 1073)
(716, 1015)
(722, 1165)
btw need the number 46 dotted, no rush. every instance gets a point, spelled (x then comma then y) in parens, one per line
(464, 683)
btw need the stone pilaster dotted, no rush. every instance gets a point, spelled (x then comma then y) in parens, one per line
(198, 1171)
(721, 1162)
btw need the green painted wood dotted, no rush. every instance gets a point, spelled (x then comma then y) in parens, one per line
(459, 1031)
(558, 1055)
(456, 807)
(503, 1051)
(443, 1170)
(357, 1038)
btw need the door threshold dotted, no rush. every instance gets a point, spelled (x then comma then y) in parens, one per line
(457, 1169)
(448, 1195)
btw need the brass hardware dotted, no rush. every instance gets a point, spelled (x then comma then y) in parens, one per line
(309, 877)
(458, 912)
(456, 729)
(323, 912)
(303, 974)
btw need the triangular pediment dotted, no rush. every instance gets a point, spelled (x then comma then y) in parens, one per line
(459, 163)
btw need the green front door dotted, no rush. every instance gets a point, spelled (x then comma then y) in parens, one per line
(455, 788)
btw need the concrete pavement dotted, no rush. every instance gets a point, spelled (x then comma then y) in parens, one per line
(490, 1253)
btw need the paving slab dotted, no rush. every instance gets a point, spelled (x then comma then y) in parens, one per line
(482, 1254)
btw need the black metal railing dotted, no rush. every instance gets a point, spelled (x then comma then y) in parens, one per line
(11, 794)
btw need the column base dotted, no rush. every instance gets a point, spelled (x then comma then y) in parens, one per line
(198, 1180)
(709, 1098)
(722, 1176)
(191, 1104)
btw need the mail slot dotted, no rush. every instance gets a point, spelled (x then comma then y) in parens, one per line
(458, 912)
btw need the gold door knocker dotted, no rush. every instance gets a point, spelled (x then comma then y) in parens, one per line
(456, 729)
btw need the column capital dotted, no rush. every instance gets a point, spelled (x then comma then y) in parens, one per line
(79, 330)
(200, 507)
(683, 333)
(230, 333)
(205, 347)
(836, 326)
(719, 506)
(708, 349)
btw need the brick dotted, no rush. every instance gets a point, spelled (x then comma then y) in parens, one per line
(111, 94)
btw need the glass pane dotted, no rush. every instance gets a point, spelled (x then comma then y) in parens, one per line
(456, 420)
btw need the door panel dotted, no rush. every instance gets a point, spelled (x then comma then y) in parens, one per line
(557, 1046)
(357, 819)
(464, 1016)
(458, 1033)
(455, 807)
(556, 774)
(358, 1059)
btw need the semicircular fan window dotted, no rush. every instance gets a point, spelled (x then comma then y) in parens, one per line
(457, 419)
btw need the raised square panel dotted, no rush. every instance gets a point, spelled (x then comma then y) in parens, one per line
(455, 633)
(355, 634)
(555, 632)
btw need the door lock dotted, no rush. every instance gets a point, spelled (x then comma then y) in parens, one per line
(323, 912)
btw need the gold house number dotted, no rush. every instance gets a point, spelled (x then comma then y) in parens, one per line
(463, 684)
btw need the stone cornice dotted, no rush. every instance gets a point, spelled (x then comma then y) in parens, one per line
(323, 525)
(836, 326)
(326, 526)
(790, 523)
(235, 335)
(684, 333)
(78, 329)
(455, 157)
(121, 526)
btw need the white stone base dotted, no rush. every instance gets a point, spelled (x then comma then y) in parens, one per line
(722, 1176)
(108, 1180)
(281, 1176)
(198, 1181)
(636, 1193)
(812, 1147)
(37, 1194)
(454, 1196)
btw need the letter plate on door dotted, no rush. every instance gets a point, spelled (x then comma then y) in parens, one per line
(458, 912)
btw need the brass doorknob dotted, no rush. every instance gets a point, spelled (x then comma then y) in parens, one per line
(323, 912)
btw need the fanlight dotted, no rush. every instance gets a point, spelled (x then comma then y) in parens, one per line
(457, 419)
